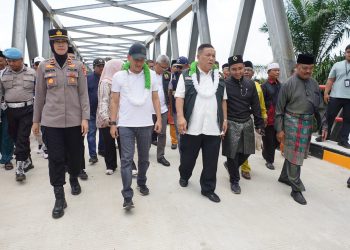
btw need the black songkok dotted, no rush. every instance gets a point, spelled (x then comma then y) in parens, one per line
(248, 64)
(224, 66)
(306, 59)
(173, 62)
(234, 60)
(1, 54)
(70, 50)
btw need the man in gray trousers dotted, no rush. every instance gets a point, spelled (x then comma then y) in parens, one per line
(134, 98)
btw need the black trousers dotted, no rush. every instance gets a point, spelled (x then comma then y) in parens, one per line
(270, 144)
(333, 108)
(189, 148)
(291, 173)
(110, 148)
(64, 145)
(233, 166)
(20, 124)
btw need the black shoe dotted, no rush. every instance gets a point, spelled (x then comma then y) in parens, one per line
(128, 204)
(270, 165)
(236, 188)
(60, 203)
(344, 144)
(155, 143)
(26, 169)
(183, 182)
(349, 183)
(102, 153)
(173, 146)
(212, 196)
(225, 165)
(9, 166)
(75, 186)
(93, 160)
(144, 190)
(83, 175)
(163, 161)
(287, 182)
(298, 197)
(20, 177)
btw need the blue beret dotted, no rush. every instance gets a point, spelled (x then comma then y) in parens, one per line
(13, 53)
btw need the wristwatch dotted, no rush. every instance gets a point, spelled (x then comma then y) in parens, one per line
(110, 123)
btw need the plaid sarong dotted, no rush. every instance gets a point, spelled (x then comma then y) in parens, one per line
(297, 129)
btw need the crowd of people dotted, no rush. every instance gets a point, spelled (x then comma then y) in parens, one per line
(132, 102)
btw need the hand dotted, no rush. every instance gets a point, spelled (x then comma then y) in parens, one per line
(114, 131)
(280, 136)
(182, 125)
(324, 134)
(158, 126)
(224, 129)
(35, 128)
(84, 127)
(326, 97)
(265, 123)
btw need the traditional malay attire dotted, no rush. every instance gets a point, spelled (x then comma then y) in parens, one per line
(239, 142)
(297, 103)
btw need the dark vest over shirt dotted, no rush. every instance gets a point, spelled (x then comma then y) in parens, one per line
(191, 95)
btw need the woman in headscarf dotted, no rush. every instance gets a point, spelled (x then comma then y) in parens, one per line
(62, 107)
(103, 113)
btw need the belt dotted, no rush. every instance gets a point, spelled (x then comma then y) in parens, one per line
(19, 104)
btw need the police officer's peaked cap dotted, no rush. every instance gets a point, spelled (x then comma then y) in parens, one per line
(58, 34)
(13, 53)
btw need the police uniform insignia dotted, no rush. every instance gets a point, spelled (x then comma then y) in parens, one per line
(234, 58)
(58, 33)
(50, 81)
(166, 76)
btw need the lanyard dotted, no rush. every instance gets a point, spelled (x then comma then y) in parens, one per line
(346, 68)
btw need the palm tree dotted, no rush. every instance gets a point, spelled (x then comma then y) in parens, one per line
(317, 26)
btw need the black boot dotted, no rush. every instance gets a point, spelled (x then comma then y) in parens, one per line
(60, 203)
(75, 186)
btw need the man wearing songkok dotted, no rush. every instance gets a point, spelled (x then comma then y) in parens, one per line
(249, 73)
(201, 116)
(297, 103)
(225, 71)
(271, 89)
(242, 101)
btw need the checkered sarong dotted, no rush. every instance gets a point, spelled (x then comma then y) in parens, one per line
(297, 129)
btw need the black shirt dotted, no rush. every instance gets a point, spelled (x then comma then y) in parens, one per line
(242, 101)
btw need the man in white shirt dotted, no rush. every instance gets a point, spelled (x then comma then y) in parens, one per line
(202, 119)
(134, 99)
(162, 78)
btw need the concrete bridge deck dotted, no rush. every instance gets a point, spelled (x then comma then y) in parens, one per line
(264, 216)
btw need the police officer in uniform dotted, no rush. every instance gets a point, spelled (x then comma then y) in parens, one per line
(62, 107)
(17, 87)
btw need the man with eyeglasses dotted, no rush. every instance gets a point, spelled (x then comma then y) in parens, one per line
(297, 104)
(17, 87)
(162, 79)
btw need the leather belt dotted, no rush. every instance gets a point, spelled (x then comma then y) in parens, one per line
(19, 104)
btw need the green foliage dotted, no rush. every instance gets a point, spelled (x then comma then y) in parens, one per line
(317, 26)
(323, 68)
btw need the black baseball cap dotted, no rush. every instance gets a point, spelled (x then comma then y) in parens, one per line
(138, 51)
(98, 61)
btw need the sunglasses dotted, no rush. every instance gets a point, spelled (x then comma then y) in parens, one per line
(178, 67)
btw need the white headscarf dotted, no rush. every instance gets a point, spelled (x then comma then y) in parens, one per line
(110, 68)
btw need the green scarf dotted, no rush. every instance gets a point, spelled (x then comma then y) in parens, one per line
(146, 71)
(193, 68)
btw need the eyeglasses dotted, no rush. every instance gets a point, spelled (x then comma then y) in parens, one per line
(178, 67)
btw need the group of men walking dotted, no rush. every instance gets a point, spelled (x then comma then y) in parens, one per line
(129, 100)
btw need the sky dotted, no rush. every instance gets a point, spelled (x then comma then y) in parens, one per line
(222, 16)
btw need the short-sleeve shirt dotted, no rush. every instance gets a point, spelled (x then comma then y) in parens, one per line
(204, 115)
(340, 71)
(130, 114)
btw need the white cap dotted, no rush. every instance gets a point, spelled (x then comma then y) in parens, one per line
(273, 66)
(38, 59)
